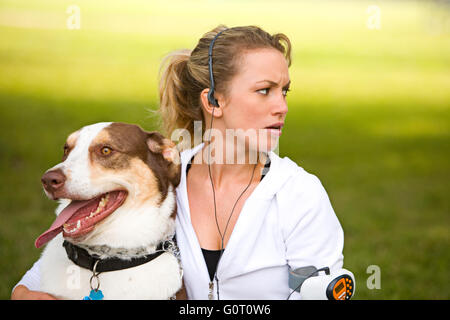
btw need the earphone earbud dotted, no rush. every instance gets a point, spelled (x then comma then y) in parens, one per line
(213, 101)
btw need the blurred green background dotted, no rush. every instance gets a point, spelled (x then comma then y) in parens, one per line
(369, 114)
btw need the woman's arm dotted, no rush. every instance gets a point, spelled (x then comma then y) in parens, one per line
(312, 232)
(28, 286)
(20, 292)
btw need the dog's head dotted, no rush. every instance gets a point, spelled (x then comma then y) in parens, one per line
(118, 179)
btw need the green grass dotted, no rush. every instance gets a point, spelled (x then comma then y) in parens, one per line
(368, 114)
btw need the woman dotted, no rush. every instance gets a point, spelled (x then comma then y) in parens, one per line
(241, 224)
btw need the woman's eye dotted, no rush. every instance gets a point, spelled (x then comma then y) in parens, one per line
(264, 91)
(285, 91)
(106, 151)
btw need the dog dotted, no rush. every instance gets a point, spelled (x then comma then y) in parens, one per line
(113, 237)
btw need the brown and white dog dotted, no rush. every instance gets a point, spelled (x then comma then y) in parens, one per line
(116, 185)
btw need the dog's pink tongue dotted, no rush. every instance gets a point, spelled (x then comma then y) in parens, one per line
(57, 225)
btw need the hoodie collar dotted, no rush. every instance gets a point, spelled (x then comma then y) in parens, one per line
(281, 169)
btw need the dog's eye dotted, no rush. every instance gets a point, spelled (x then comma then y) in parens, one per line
(106, 151)
(66, 151)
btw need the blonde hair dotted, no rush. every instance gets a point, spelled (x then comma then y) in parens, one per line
(185, 73)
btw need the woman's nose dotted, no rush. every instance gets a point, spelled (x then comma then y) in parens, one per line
(280, 106)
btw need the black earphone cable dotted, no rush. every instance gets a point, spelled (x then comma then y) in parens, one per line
(209, 170)
(214, 200)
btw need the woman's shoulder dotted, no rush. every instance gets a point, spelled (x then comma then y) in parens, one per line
(302, 197)
(186, 154)
(301, 192)
(296, 178)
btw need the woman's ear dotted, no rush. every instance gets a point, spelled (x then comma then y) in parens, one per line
(209, 107)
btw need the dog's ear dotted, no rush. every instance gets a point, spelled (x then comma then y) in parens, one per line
(157, 143)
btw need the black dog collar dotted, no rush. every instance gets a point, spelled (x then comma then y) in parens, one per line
(82, 258)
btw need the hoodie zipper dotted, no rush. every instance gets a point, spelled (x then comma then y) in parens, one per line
(211, 290)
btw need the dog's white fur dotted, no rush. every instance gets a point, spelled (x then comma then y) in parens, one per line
(132, 226)
(76, 166)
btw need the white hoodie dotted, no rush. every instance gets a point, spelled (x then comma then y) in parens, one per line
(287, 222)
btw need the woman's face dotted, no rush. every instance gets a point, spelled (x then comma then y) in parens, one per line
(256, 99)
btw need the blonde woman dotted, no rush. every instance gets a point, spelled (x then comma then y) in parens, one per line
(245, 215)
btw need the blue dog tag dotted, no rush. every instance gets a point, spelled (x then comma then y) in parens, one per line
(94, 295)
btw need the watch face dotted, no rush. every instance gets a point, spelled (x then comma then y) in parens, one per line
(340, 288)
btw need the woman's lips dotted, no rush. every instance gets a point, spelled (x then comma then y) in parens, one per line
(274, 130)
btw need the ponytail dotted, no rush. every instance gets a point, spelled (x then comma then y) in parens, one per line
(176, 106)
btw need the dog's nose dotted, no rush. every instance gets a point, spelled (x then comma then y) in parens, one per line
(53, 180)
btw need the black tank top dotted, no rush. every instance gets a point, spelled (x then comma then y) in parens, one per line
(212, 256)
